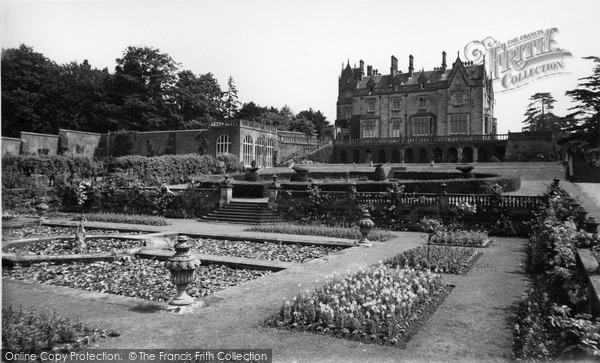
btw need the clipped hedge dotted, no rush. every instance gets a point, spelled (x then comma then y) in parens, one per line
(56, 167)
(171, 169)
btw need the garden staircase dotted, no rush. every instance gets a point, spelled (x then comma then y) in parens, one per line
(307, 150)
(247, 212)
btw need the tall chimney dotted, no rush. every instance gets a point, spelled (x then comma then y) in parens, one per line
(369, 71)
(394, 67)
(411, 68)
(443, 62)
(362, 69)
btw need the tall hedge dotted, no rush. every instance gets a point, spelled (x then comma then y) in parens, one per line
(15, 168)
(171, 169)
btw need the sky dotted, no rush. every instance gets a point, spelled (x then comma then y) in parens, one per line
(291, 52)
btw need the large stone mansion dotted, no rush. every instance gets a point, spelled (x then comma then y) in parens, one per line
(445, 114)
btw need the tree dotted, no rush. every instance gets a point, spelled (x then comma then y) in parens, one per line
(250, 111)
(143, 88)
(25, 73)
(317, 118)
(196, 100)
(587, 112)
(539, 116)
(230, 99)
(77, 98)
(302, 124)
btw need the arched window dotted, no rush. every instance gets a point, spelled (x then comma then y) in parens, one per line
(248, 150)
(259, 151)
(223, 144)
(270, 149)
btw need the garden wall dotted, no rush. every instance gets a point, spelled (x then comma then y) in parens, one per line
(79, 142)
(11, 146)
(39, 144)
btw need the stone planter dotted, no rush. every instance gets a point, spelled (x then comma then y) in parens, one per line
(466, 170)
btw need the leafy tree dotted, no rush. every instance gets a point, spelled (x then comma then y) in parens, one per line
(143, 87)
(301, 124)
(24, 76)
(196, 100)
(230, 99)
(587, 112)
(77, 98)
(539, 116)
(250, 111)
(317, 118)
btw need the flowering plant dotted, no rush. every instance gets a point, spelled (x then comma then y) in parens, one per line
(378, 303)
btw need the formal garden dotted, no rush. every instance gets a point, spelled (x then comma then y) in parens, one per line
(115, 227)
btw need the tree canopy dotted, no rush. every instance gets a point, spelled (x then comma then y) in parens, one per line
(539, 115)
(586, 115)
(147, 91)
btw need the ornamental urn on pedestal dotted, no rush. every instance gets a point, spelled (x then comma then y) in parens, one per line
(365, 224)
(182, 266)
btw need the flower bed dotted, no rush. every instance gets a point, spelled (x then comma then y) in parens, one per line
(127, 218)
(320, 230)
(45, 231)
(262, 250)
(442, 259)
(461, 238)
(378, 304)
(34, 333)
(146, 279)
(62, 247)
(554, 321)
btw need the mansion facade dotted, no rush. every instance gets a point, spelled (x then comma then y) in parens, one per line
(444, 114)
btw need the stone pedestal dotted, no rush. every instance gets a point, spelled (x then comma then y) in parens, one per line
(273, 189)
(226, 191)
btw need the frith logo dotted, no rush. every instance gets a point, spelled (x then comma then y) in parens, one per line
(520, 60)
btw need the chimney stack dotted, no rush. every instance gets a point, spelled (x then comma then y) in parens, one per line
(443, 62)
(394, 66)
(411, 68)
(362, 69)
(369, 71)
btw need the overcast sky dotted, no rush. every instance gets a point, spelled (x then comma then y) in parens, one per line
(291, 52)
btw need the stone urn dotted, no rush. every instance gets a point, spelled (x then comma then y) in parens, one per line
(466, 170)
(182, 266)
(365, 225)
(591, 225)
(252, 174)
(379, 174)
(300, 175)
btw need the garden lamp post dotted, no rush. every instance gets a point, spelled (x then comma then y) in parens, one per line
(182, 266)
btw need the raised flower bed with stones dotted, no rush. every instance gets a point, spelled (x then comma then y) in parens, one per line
(285, 252)
(133, 277)
(48, 231)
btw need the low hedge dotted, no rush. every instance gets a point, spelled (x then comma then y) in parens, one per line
(453, 186)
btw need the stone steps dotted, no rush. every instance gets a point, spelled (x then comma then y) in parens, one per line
(249, 212)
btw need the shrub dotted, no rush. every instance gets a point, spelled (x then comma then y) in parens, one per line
(377, 304)
(34, 333)
(439, 259)
(232, 163)
(16, 169)
(553, 320)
